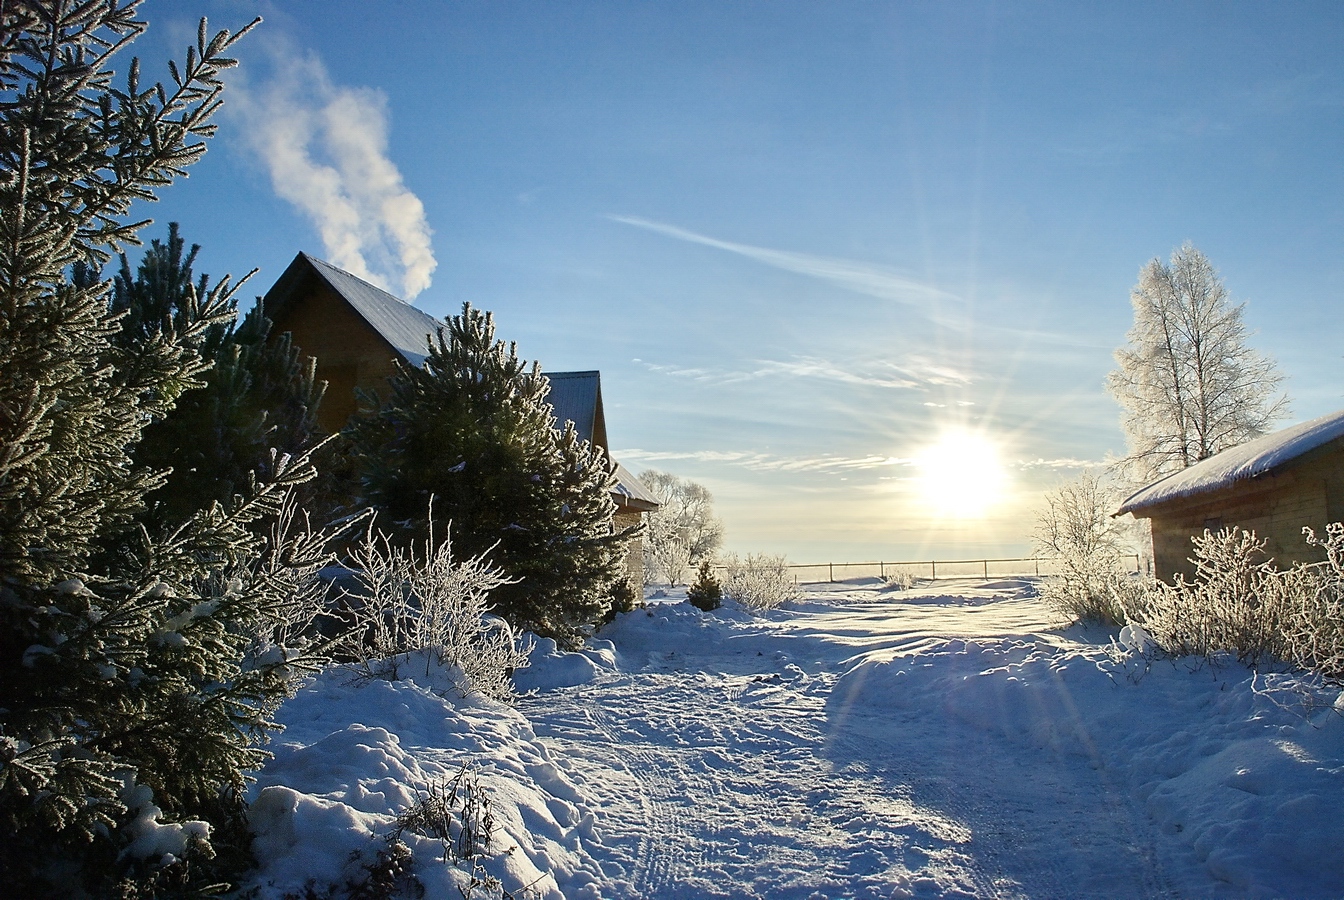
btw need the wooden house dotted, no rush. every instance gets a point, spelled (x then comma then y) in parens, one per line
(1274, 485)
(356, 330)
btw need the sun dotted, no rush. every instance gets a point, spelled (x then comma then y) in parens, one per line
(961, 476)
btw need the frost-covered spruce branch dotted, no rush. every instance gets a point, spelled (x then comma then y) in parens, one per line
(131, 660)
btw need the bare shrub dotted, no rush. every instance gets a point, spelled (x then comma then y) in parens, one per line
(1076, 527)
(1240, 603)
(429, 605)
(900, 579)
(1237, 602)
(1087, 590)
(1315, 632)
(758, 581)
(455, 811)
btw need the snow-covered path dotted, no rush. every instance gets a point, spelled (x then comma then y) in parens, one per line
(859, 743)
(729, 764)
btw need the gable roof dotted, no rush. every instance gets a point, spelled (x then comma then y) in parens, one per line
(1263, 456)
(577, 397)
(407, 329)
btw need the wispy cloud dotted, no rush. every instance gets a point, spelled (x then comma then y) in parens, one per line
(325, 147)
(764, 462)
(900, 466)
(916, 374)
(1063, 463)
(860, 277)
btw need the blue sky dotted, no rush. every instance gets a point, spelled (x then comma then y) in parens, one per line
(800, 240)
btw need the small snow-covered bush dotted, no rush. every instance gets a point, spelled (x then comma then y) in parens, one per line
(900, 579)
(1236, 602)
(1316, 630)
(430, 606)
(1089, 589)
(758, 580)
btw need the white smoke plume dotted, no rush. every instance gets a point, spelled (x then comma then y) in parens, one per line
(325, 147)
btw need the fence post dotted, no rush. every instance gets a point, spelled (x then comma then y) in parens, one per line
(933, 570)
(986, 562)
(882, 570)
(831, 569)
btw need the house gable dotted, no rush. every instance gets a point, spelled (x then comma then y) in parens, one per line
(356, 331)
(353, 329)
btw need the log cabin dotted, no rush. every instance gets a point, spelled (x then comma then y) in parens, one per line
(1274, 485)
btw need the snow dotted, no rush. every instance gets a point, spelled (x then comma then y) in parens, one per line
(1252, 459)
(860, 742)
(151, 839)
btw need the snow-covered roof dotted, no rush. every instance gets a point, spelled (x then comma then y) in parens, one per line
(635, 492)
(403, 326)
(1257, 458)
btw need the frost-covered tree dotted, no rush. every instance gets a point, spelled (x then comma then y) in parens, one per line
(1076, 520)
(1188, 383)
(136, 671)
(683, 531)
(472, 430)
(1076, 528)
(258, 394)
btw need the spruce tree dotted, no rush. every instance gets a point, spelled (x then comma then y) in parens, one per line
(258, 394)
(141, 672)
(473, 431)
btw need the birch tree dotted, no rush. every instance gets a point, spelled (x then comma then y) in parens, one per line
(1188, 383)
(683, 531)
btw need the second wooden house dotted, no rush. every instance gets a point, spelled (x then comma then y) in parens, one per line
(355, 331)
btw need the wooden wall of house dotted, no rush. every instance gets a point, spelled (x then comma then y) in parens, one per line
(634, 556)
(1276, 508)
(349, 353)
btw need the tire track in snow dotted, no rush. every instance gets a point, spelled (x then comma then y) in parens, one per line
(636, 786)
(722, 769)
(740, 802)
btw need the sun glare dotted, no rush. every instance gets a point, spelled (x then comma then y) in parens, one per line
(961, 476)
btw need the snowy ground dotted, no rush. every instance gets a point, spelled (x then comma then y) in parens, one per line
(863, 742)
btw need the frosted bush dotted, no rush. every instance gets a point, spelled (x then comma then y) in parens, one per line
(1075, 526)
(428, 606)
(900, 579)
(1089, 589)
(1316, 630)
(1238, 602)
(758, 580)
